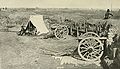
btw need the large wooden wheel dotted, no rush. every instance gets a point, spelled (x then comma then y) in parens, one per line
(60, 32)
(90, 49)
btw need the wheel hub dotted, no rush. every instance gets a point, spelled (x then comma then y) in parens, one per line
(90, 49)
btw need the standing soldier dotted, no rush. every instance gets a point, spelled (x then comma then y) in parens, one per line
(108, 14)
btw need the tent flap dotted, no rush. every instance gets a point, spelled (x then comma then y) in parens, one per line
(37, 21)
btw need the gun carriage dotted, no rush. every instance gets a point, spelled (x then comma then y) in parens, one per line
(91, 37)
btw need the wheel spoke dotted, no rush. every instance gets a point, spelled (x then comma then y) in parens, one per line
(93, 55)
(94, 43)
(83, 47)
(89, 40)
(85, 54)
(59, 35)
(88, 44)
(85, 42)
(83, 51)
(88, 56)
(96, 52)
(97, 46)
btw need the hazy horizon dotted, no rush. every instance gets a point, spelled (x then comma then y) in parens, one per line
(113, 9)
(95, 4)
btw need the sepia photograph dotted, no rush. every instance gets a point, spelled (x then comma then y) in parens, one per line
(59, 34)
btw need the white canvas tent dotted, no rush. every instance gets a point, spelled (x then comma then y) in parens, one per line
(37, 21)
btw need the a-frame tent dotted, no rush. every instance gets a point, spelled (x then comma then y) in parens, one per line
(38, 22)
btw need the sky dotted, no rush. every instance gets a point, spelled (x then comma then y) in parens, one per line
(60, 3)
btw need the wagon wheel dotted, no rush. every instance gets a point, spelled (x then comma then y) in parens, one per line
(60, 32)
(90, 49)
(90, 34)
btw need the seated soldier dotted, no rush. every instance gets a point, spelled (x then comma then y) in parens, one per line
(111, 60)
(116, 54)
(22, 31)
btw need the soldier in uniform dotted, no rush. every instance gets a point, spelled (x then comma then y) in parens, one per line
(113, 40)
(108, 14)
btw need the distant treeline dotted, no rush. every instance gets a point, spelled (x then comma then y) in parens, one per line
(87, 13)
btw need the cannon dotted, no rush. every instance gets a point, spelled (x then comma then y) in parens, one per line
(92, 37)
(92, 42)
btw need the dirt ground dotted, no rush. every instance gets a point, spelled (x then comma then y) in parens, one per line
(31, 52)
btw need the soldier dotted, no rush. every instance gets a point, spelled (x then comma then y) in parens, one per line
(116, 53)
(22, 31)
(113, 40)
(108, 14)
(110, 61)
(115, 44)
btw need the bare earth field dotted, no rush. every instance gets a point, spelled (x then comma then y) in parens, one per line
(25, 52)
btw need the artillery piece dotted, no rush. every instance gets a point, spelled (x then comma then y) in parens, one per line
(92, 38)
